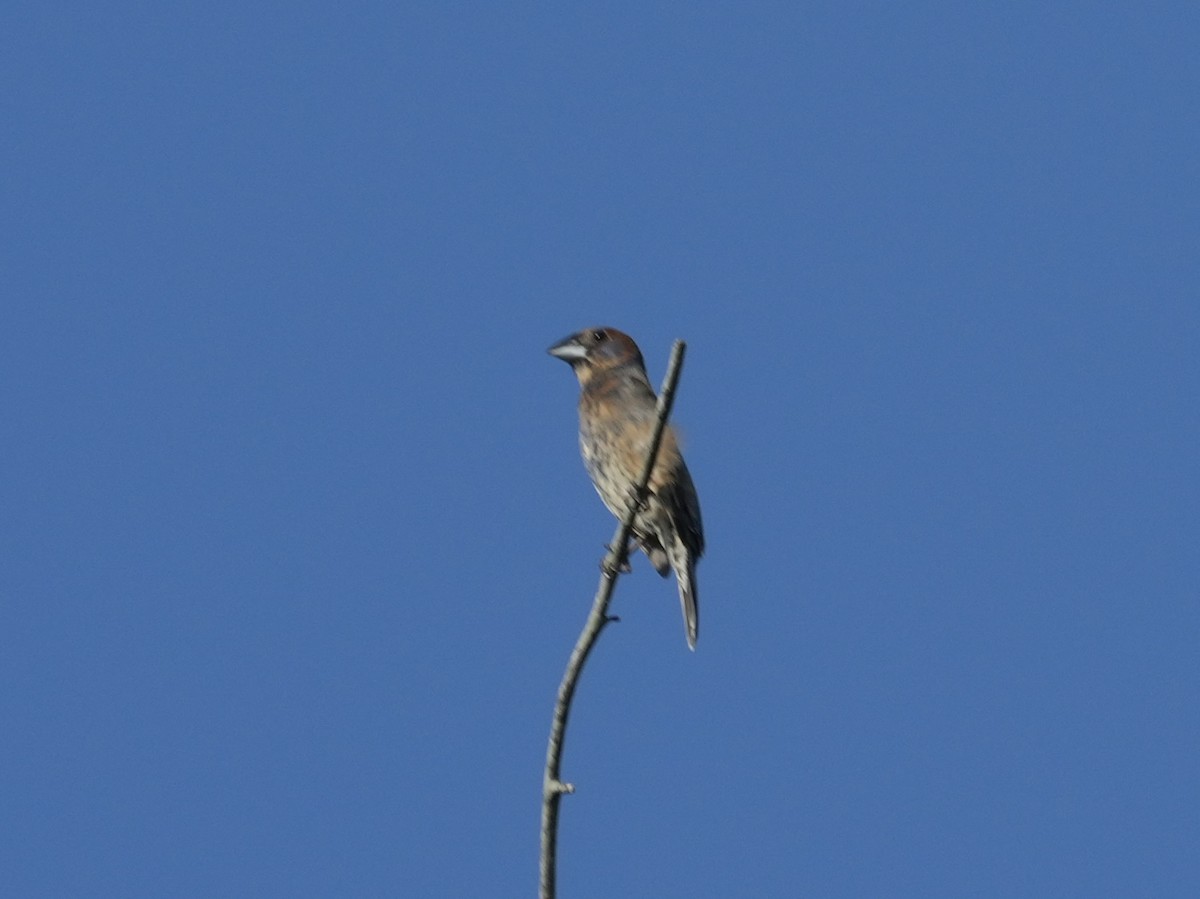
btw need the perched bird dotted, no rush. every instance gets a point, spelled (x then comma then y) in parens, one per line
(616, 421)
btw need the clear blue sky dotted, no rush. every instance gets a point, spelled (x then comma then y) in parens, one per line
(294, 535)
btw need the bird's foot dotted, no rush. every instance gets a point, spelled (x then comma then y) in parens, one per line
(624, 567)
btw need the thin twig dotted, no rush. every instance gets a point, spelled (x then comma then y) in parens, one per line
(552, 787)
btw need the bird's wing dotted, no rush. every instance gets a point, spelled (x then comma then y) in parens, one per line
(680, 497)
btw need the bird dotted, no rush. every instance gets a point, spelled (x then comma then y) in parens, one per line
(617, 415)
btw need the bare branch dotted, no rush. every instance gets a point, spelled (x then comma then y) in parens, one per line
(614, 561)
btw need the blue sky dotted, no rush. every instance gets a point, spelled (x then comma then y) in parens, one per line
(296, 539)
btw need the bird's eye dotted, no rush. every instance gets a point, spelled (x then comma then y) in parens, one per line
(598, 336)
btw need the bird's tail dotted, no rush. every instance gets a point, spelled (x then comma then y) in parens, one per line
(685, 574)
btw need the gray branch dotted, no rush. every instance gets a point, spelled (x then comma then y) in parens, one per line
(553, 787)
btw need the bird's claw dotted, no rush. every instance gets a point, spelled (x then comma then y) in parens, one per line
(624, 567)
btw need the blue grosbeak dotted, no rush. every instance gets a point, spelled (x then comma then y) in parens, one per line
(616, 420)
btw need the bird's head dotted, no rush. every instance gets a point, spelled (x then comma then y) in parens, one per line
(597, 349)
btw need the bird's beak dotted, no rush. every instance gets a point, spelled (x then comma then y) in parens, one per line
(568, 350)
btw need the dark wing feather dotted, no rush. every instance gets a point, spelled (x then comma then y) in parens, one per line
(680, 497)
